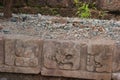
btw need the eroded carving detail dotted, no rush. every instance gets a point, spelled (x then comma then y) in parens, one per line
(99, 58)
(63, 55)
(27, 52)
(116, 59)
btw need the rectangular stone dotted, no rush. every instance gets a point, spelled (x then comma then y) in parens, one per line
(28, 52)
(9, 51)
(111, 5)
(77, 59)
(116, 59)
(76, 74)
(100, 58)
(61, 55)
(1, 50)
(23, 53)
(14, 69)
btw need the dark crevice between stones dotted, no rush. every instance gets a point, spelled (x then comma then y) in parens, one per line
(114, 12)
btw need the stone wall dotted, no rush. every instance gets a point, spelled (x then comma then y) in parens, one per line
(110, 5)
(86, 59)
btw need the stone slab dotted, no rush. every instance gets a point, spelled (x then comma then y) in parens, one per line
(111, 5)
(78, 59)
(9, 51)
(116, 59)
(14, 69)
(1, 50)
(61, 55)
(23, 53)
(76, 74)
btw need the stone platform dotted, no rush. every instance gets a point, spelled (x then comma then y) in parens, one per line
(96, 59)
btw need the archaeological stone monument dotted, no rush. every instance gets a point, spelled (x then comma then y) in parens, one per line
(91, 59)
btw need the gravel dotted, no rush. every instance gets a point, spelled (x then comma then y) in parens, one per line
(56, 27)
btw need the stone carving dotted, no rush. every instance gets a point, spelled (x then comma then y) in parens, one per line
(26, 62)
(62, 55)
(23, 53)
(76, 59)
(9, 51)
(27, 48)
(116, 59)
(99, 58)
(27, 52)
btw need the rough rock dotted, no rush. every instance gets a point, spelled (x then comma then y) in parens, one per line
(110, 5)
(60, 3)
(116, 76)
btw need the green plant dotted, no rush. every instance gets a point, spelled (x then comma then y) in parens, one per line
(54, 11)
(83, 10)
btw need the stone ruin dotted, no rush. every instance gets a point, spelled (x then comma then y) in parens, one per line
(87, 59)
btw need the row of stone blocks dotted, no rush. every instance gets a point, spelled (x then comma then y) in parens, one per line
(89, 59)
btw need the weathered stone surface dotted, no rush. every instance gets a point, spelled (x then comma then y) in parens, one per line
(116, 76)
(75, 59)
(100, 58)
(26, 62)
(1, 50)
(116, 59)
(36, 2)
(60, 3)
(111, 5)
(61, 55)
(11, 76)
(16, 69)
(28, 52)
(22, 54)
(9, 51)
(19, 3)
(27, 48)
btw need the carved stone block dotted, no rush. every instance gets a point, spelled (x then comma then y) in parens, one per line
(26, 62)
(77, 59)
(27, 48)
(1, 50)
(9, 51)
(27, 52)
(23, 53)
(61, 55)
(116, 59)
(99, 59)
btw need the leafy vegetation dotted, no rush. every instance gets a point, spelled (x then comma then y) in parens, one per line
(83, 10)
